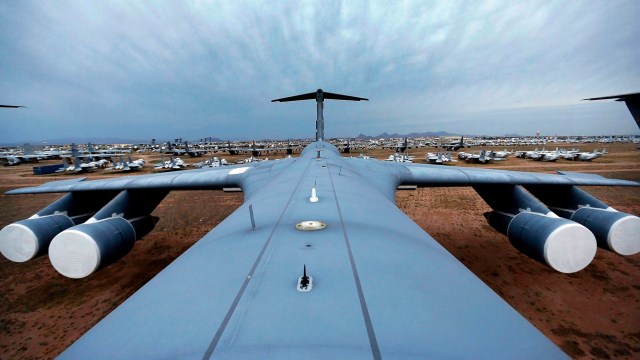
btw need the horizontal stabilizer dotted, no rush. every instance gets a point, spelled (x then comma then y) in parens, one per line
(319, 95)
(343, 97)
(623, 97)
(631, 100)
(12, 106)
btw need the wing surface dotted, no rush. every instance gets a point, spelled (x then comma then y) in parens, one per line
(435, 175)
(382, 287)
(623, 97)
(203, 179)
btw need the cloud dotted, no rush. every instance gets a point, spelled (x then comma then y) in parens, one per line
(209, 68)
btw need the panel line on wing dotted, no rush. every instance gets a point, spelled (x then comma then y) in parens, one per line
(236, 300)
(363, 302)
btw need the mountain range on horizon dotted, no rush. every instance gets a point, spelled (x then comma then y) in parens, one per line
(116, 140)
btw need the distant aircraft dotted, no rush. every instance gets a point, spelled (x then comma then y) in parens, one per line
(318, 262)
(482, 157)
(402, 147)
(502, 154)
(588, 156)
(254, 149)
(130, 165)
(193, 152)
(631, 100)
(28, 155)
(12, 106)
(455, 147)
(439, 158)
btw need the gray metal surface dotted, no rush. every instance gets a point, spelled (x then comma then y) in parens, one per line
(383, 288)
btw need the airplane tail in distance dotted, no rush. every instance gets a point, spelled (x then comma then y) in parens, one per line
(28, 149)
(319, 96)
(631, 100)
(74, 150)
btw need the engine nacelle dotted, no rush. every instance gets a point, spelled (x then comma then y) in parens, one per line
(614, 230)
(30, 238)
(83, 249)
(532, 228)
(562, 244)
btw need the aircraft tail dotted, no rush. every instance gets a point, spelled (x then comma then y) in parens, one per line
(319, 96)
(28, 150)
(74, 150)
(631, 100)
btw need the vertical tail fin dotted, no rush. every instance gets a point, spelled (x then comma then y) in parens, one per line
(319, 96)
(631, 100)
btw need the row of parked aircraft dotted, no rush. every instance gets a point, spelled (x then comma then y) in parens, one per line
(553, 155)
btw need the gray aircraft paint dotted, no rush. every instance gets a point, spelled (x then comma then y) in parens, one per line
(241, 284)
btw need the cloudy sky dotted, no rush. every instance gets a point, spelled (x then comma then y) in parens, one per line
(192, 69)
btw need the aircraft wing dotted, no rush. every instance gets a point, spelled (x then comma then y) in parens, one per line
(202, 179)
(434, 176)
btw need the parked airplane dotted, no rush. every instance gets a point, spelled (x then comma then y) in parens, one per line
(174, 163)
(454, 147)
(588, 156)
(253, 149)
(502, 154)
(193, 152)
(543, 155)
(28, 155)
(398, 157)
(482, 157)
(214, 161)
(318, 262)
(77, 164)
(439, 158)
(403, 146)
(127, 165)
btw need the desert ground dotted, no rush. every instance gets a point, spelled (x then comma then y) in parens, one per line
(594, 313)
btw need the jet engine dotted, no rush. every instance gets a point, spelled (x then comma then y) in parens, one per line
(614, 230)
(106, 237)
(81, 250)
(30, 238)
(562, 244)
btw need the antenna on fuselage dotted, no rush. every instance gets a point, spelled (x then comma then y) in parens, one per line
(319, 96)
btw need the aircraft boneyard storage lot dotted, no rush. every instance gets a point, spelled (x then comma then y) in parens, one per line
(591, 313)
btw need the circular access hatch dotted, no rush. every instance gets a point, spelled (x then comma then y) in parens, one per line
(310, 225)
